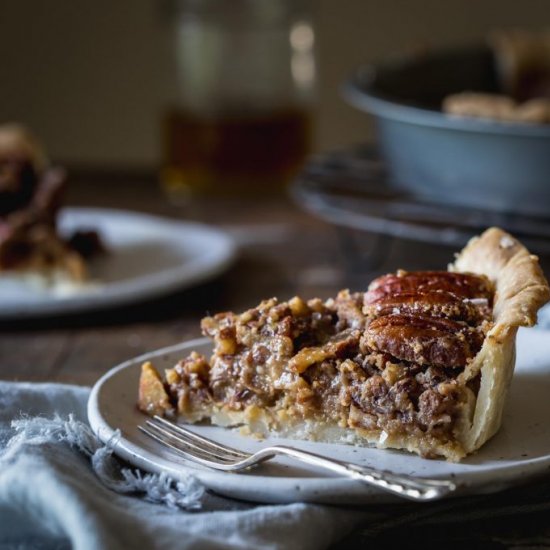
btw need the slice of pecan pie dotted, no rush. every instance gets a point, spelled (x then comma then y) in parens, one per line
(421, 361)
(31, 193)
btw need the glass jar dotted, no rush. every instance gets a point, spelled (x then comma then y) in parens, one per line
(247, 75)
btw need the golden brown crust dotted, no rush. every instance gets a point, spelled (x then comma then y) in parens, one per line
(520, 286)
(520, 290)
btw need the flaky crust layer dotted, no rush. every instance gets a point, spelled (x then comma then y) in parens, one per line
(520, 290)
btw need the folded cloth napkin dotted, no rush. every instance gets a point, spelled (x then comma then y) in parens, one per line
(61, 488)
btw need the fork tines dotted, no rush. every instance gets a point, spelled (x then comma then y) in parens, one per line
(189, 444)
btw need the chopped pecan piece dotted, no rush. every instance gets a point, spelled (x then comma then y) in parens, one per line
(340, 346)
(188, 382)
(349, 310)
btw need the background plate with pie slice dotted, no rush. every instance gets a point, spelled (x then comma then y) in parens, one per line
(148, 256)
(521, 449)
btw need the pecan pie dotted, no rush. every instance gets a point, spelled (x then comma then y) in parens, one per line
(421, 361)
(30, 198)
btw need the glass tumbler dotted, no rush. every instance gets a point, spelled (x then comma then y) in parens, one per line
(242, 121)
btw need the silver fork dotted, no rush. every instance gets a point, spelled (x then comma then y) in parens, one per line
(206, 452)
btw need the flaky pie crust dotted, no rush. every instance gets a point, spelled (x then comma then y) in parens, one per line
(520, 290)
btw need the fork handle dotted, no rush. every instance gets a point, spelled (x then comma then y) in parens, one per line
(413, 488)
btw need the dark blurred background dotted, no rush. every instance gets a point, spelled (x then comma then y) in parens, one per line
(93, 78)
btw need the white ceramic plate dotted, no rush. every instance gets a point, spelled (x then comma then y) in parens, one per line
(521, 449)
(148, 257)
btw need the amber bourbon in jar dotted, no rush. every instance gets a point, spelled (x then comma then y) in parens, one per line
(242, 120)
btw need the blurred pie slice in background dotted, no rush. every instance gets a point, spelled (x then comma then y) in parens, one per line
(31, 193)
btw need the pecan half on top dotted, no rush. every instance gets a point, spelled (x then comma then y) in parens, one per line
(422, 340)
(434, 303)
(464, 285)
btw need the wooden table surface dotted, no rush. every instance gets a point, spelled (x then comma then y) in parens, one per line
(283, 252)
